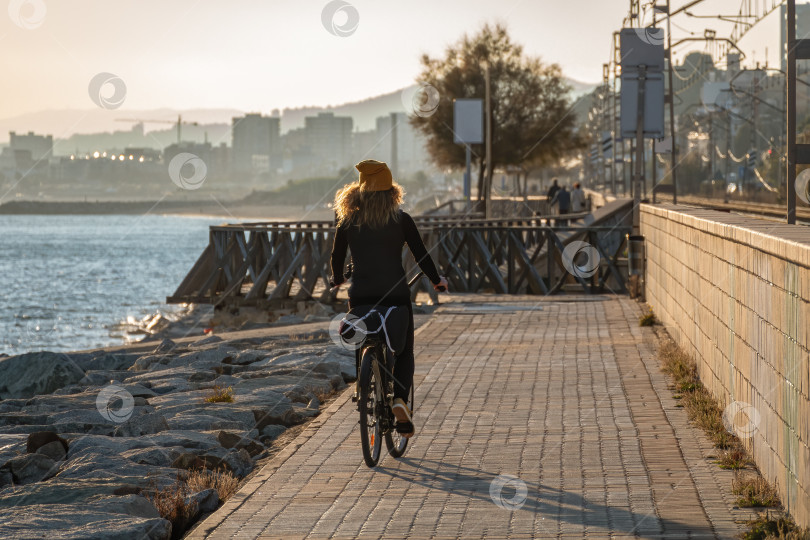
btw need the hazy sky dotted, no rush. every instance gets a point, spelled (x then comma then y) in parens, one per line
(265, 54)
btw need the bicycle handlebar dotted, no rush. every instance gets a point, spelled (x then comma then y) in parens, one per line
(416, 278)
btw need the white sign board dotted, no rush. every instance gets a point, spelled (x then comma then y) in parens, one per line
(468, 121)
(653, 105)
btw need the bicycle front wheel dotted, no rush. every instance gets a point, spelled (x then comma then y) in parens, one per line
(370, 404)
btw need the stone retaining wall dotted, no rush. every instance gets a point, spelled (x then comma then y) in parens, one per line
(734, 292)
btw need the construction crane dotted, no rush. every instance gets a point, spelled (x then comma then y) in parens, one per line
(179, 123)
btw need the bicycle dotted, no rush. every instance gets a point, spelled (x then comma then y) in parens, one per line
(374, 396)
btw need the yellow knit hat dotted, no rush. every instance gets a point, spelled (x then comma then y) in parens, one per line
(374, 175)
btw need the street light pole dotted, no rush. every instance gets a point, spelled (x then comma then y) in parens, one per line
(674, 154)
(790, 83)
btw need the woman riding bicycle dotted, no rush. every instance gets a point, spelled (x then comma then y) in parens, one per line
(371, 223)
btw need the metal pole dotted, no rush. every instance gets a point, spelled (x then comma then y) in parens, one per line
(467, 177)
(488, 179)
(672, 109)
(642, 83)
(790, 180)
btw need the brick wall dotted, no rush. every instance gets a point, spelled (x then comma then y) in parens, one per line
(733, 291)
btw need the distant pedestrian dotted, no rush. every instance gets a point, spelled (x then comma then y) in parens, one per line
(553, 190)
(562, 198)
(577, 199)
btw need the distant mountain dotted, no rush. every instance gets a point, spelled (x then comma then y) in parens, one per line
(89, 129)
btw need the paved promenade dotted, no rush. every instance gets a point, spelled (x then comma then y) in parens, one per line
(535, 420)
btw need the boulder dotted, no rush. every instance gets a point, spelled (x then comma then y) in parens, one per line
(54, 450)
(272, 431)
(207, 500)
(236, 461)
(244, 358)
(102, 377)
(94, 465)
(56, 491)
(203, 359)
(145, 362)
(209, 340)
(6, 479)
(30, 374)
(104, 360)
(204, 422)
(159, 457)
(143, 424)
(189, 440)
(40, 438)
(229, 439)
(105, 519)
(31, 468)
(166, 346)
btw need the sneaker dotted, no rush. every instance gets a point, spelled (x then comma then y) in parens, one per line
(401, 410)
(402, 413)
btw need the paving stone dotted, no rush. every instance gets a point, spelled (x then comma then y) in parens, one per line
(552, 422)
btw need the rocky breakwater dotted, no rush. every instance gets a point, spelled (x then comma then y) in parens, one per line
(122, 445)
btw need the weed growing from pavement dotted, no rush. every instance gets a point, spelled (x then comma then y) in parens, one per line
(753, 490)
(775, 526)
(648, 319)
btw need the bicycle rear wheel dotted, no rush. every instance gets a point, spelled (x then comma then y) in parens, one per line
(395, 442)
(370, 404)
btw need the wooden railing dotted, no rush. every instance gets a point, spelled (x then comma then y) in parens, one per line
(267, 262)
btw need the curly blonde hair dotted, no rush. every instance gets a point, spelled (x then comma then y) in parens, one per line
(360, 207)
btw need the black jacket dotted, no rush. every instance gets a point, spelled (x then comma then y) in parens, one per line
(377, 273)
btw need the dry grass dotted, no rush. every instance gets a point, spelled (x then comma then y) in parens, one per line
(754, 491)
(648, 319)
(703, 410)
(222, 481)
(733, 458)
(218, 394)
(170, 503)
(777, 527)
(699, 404)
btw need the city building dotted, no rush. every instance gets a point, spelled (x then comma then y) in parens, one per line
(802, 28)
(329, 139)
(400, 145)
(40, 146)
(256, 143)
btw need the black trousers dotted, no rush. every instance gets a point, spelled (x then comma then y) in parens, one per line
(405, 364)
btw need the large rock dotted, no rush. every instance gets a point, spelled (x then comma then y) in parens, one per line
(94, 465)
(30, 374)
(203, 359)
(103, 360)
(159, 457)
(207, 500)
(272, 431)
(56, 491)
(31, 468)
(229, 439)
(113, 518)
(236, 461)
(204, 422)
(189, 440)
(53, 450)
(39, 439)
(144, 424)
